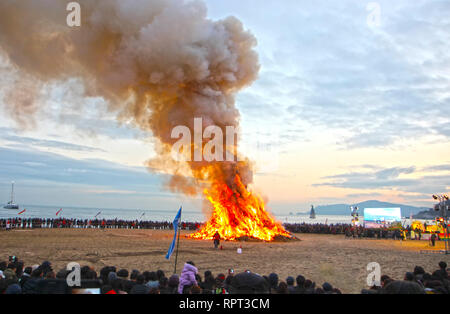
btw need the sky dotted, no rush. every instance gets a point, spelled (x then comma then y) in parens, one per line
(351, 104)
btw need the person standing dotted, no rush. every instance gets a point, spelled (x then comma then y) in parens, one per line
(216, 239)
(433, 239)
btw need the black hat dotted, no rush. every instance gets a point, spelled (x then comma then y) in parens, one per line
(327, 287)
(290, 280)
(46, 267)
(123, 273)
(134, 274)
(409, 276)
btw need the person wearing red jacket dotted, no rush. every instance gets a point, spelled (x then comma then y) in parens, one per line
(216, 239)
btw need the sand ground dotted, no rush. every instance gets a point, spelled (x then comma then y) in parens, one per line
(340, 261)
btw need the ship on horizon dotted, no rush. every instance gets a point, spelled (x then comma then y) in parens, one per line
(11, 204)
(312, 214)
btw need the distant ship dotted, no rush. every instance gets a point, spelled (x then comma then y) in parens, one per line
(11, 204)
(312, 214)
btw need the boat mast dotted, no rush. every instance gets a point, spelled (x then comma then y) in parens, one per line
(12, 192)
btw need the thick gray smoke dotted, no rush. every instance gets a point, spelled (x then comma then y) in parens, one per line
(158, 64)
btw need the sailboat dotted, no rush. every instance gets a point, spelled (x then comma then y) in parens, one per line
(312, 214)
(11, 204)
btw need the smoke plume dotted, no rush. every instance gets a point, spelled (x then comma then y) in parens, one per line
(157, 63)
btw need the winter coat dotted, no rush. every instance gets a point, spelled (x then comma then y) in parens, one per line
(187, 277)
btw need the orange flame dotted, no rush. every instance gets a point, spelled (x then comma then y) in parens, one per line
(238, 213)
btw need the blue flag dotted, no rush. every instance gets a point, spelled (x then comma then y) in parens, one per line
(176, 221)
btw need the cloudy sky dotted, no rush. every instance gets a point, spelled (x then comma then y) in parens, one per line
(350, 105)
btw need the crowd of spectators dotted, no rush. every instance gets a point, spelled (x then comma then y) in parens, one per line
(16, 278)
(37, 223)
(318, 228)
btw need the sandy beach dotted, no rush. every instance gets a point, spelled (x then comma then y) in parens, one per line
(335, 259)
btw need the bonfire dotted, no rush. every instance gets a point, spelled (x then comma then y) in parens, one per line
(239, 214)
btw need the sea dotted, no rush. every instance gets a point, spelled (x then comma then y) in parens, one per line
(36, 211)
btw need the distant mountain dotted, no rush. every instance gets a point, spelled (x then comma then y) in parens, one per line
(431, 213)
(344, 209)
(427, 214)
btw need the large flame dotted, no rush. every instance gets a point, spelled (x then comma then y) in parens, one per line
(238, 213)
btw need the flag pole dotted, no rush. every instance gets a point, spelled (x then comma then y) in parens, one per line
(178, 241)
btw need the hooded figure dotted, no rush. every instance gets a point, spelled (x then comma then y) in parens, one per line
(46, 267)
(290, 283)
(327, 288)
(111, 277)
(173, 283)
(187, 277)
(273, 281)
